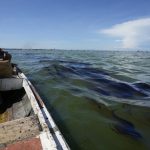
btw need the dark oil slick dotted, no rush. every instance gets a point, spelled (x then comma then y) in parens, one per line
(99, 99)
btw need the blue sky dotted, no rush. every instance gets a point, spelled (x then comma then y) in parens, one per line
(75, 24)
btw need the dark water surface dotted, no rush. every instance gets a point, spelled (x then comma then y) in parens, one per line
(99, 99)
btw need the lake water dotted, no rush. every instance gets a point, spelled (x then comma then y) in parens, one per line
(100, 100)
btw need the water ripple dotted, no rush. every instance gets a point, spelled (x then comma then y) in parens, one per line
(98, 81)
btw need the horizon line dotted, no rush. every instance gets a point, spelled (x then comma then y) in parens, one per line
(118, 49)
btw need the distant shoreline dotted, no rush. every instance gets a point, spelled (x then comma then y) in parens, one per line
(27, 49)
(115, 50)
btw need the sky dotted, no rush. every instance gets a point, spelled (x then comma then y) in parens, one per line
(75, 24)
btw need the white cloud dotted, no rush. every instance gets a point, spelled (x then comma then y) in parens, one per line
(131, 34)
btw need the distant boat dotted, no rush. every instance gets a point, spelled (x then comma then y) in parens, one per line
(25, 122)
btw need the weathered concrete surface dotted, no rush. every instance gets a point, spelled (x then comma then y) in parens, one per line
(19, 129)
